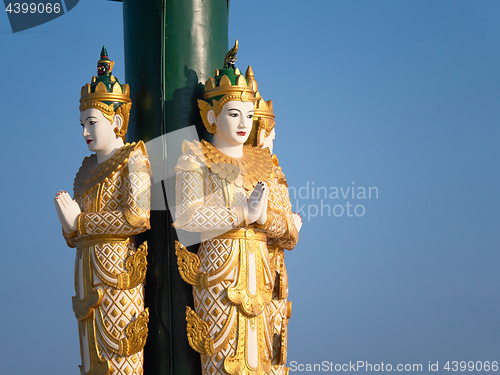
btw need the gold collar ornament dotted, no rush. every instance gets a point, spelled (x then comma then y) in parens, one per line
(255, 165)
(92, 174)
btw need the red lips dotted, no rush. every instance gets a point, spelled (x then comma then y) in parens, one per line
(88, 141)
(242, 133)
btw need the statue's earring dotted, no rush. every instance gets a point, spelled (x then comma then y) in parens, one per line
(214, 127)
(119, 132)
(261, 136)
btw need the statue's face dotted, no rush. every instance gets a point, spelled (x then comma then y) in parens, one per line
(97, 130)
(102, 68)
(269, 141)
(235, 122)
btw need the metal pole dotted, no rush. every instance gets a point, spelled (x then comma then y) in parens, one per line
(171, 48)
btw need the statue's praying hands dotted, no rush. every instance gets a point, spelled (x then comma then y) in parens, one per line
(67, 210)
(257, 204)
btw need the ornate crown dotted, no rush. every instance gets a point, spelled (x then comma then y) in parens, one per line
(107, 94)
(263, 114)
(229, 80)
(228, 84)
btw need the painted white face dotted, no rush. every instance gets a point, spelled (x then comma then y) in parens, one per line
(97, 130)
(269, 141)
(235, 122)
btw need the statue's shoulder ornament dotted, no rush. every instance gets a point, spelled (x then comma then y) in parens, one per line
(255, 165)
(278, 171)
(192, 158)
(92, 174)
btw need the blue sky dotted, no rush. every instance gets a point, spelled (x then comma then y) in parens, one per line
(398, 96)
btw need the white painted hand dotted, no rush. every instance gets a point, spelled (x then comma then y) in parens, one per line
(68, 211)
(297, 221)
(265, 197)
(59, 214)
(255, 202)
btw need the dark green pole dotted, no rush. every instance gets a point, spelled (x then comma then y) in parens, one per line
(171, 48)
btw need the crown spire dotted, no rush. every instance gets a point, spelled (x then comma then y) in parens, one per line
(105, 87)
(231, 58)
(104, 53)
(229, 80)
(104, 65)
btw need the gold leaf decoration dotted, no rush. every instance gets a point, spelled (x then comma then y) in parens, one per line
(225, 81)
(117, 88)
(189, 266)
(197, 333)
(137, 333)
(136, 265)
(101, 88)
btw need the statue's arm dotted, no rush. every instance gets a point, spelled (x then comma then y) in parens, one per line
(137, 203)
(133, 216)
(290, 239)
(71, 238)
(192, 211)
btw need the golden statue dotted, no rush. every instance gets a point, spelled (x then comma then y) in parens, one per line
(226, 191)
(263, 135)
(111, 204)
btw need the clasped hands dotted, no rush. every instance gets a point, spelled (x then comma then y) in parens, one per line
(68, 211)
(257, 204)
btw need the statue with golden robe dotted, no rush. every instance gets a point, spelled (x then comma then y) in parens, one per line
(111, 204)
(263, 135)
(231, 194)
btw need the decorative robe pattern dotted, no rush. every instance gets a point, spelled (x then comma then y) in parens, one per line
(114, 197)
(232, 325)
